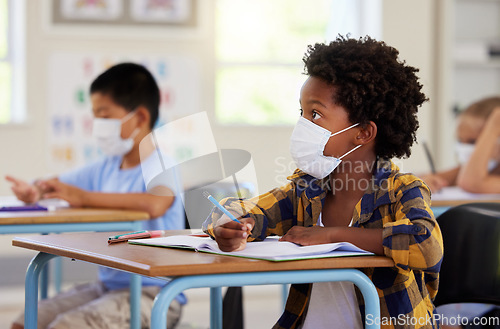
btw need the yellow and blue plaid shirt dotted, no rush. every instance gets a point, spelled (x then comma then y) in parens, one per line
(396, 202)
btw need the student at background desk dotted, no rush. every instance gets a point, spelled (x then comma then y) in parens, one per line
(125, 102)
(478, 151)
(476, 179)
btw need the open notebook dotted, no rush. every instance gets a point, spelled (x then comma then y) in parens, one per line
(269, 249)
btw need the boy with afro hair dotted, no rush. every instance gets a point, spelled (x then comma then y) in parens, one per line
(358, 110)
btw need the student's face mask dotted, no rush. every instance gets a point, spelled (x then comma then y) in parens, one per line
(464, 153)
(307, 145)
(107, 133)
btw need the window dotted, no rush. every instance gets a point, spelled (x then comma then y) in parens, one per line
(11, 62)
(5, 74)
(259, 50)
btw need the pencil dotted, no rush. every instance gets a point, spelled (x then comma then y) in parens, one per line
(218, 205)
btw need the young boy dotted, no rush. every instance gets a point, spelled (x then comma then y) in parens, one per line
(125, 101)
(359, 109)
(478, 150)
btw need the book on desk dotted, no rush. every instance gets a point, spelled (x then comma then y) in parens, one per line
(456, 193)
(10, 203)
(270, 249)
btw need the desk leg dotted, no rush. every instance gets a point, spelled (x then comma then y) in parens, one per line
(31, 289)
(284, 293)
(216, 307)
(44, 281)
(57, 273)
(179, 284)
(135, 301)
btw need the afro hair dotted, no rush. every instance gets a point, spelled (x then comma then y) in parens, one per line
(372, 84)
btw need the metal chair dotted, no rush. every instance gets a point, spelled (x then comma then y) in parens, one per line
(470, 272)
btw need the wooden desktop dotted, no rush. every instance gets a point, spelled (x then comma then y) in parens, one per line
(189, 269)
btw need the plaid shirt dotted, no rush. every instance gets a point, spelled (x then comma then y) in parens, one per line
(399, 204)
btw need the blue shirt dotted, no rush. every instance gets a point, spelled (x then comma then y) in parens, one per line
(106, 176)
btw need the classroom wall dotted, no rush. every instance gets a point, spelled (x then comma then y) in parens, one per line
(408, 25)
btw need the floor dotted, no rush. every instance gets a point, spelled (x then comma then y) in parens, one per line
(262, 306)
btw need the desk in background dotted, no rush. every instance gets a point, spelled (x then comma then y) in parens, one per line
(189, 269)
(73, 220)
(70, 220)
(452, 196)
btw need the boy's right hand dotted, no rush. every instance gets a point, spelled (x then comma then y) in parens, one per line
(25, 192)
(435, 182)
(231, 235)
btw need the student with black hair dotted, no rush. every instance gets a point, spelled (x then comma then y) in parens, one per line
(359, 110)
(125, 103)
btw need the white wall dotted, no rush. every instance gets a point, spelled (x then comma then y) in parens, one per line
(409, 25)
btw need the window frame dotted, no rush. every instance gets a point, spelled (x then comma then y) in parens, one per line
(16, 57)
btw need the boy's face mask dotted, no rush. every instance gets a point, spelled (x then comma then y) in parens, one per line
(464, 153)
(307, 145)
(107, 133)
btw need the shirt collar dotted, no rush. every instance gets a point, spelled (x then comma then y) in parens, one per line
(380, 192)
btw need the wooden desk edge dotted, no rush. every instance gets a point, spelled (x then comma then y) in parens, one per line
(116, 263)
(233, 264)
(452, 203)
(72, 215)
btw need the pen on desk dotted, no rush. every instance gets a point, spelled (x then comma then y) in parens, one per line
(135, 235)
(218, 205)
(429, 157)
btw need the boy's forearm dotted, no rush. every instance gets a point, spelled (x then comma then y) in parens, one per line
(154, 205)
(367, 239)
(474, 175)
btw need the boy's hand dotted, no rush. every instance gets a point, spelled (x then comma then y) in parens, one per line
(53, 188)
(25, 192)
(231, 235)
(435, 182)
(307, 236)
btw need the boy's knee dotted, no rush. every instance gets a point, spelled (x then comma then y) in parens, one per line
(16, 326)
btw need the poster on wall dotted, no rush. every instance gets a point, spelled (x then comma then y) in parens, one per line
(70, 111)
(106, 10)
(171, 13)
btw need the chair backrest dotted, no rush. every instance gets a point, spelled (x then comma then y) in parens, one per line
(198, 207)
(470, 271)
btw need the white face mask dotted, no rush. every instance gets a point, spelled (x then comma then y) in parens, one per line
(307, 145)
(464, 153)
(107, 133)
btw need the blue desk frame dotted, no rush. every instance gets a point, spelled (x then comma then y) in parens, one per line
(439, 210)
(135, 281)
(215, 282)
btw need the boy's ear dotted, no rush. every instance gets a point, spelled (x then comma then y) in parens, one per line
(367, 133)
(143, 116)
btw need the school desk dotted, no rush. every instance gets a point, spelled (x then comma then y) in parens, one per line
(68, 220)
(453, 196)
(189, 269)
